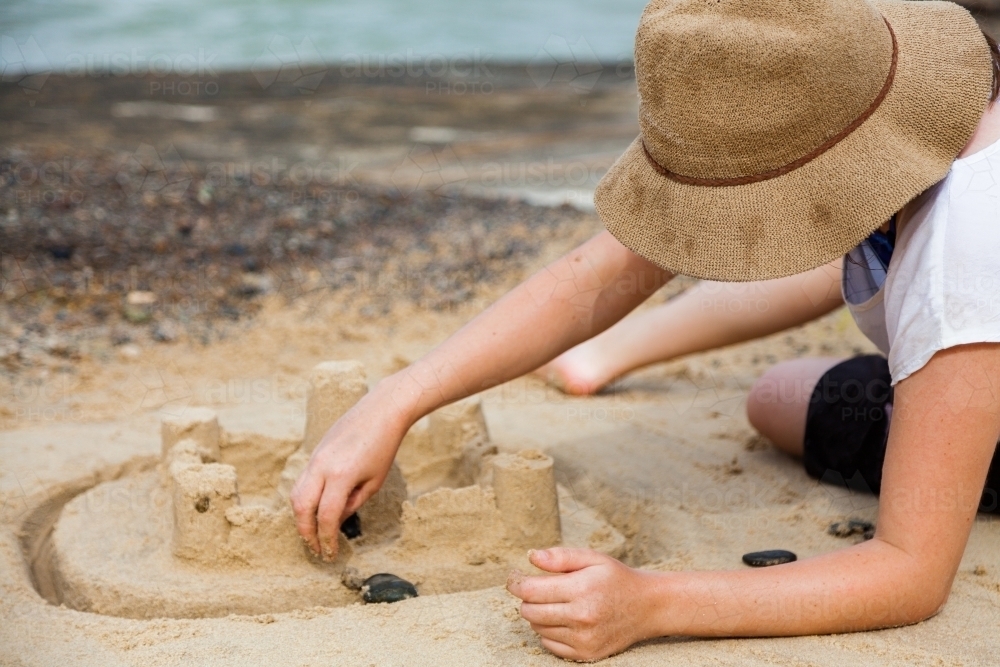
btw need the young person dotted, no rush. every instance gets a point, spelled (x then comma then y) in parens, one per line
(776, 137)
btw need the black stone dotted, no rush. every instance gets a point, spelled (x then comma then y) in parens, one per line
(202, 504)
(61, 251)
(767, 558)
(387, 588)
(351, 527)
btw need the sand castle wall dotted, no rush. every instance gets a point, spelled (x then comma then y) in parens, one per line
(452, 515)
(446, 448)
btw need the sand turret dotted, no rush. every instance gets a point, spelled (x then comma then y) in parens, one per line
(202, 493)
(525, 486)
(334, 388)
(200, 425)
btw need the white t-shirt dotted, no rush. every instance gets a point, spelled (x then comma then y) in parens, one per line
(942, 287)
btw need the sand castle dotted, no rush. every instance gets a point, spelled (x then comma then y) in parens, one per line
(210, 531)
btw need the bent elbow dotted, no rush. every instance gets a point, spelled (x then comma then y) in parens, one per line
(917, 588)
(926, 602)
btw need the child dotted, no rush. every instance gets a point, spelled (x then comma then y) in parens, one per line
(776, 137)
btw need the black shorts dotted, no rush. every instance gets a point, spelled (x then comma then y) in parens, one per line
(847, 426)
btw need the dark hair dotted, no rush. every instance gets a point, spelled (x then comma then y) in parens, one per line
(995, 54)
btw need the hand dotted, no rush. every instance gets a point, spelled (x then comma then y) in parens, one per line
(346, 469)
(594, 608)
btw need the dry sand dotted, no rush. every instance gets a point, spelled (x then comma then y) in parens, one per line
(667, 457)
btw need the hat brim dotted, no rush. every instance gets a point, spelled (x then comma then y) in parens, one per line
(819, 211)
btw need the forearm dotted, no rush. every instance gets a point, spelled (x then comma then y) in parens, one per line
(944, 432)
(868, 586)
(569, 301)
(712, 315)
(727, 313)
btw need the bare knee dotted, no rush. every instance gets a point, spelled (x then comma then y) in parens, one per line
(779, 401)
(762, 405)
(757, 405)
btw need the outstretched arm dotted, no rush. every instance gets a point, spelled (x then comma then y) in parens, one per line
(572, 299)
(945, 424)
(707, 316)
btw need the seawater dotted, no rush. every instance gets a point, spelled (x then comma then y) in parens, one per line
(190, 36)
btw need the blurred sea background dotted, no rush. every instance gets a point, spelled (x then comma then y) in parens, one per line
(206, 155)
(124, 36)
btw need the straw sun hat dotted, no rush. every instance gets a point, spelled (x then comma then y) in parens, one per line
(777, 134)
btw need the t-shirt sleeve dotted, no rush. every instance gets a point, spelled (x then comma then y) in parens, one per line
(943, 286)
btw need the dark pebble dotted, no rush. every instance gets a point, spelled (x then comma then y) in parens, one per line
(387, 588)
(766, 558)
(61, 251)
(851, 527)
(351, 527)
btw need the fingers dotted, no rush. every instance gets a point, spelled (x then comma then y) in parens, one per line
(358, 497)
(305, 499)
(555, 633)
(539, 590)
(553, 614)
(562, 559)
(328, 518)
(562, 650)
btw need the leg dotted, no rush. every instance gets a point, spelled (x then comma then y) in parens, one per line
(779, 400)
(707, 316)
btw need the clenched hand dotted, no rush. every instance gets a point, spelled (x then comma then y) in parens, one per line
(347, 467)
(593, 607)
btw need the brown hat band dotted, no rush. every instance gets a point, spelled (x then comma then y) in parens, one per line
(791, 166)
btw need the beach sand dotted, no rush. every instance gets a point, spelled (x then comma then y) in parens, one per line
(666, 455)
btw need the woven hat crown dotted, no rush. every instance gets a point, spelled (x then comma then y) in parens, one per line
(733, 89)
